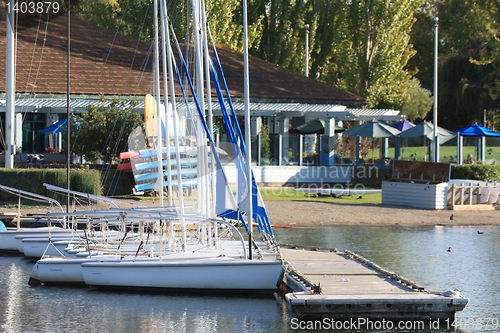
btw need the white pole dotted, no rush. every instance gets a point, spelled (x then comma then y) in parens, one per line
(176, 133)
(158, 105)
(10, 86)
(165, 41)
(435, 118)
(307, 51)
(201, 137)
(209, 114)
(246, 91)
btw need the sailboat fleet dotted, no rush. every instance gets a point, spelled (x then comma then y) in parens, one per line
(205, 246)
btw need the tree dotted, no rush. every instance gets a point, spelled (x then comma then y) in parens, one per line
(375, 50)
(102, 133)
(418, 101)
(465, 75)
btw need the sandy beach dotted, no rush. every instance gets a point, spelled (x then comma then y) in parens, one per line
(308, 214)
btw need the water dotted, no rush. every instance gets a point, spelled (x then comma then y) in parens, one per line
(419, 254)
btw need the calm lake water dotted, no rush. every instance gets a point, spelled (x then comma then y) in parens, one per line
(419, 254)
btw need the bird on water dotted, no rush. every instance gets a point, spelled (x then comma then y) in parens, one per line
(449, 249)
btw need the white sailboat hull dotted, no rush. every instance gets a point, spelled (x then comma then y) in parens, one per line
(202, 276)
(38, 247)
(63, 270)
(8, 241)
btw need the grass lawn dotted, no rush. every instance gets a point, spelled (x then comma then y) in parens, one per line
(289, 194)
(446, 153)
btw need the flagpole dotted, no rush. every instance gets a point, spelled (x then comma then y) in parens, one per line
(434, 118)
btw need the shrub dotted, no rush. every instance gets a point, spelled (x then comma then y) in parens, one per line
(485, 172)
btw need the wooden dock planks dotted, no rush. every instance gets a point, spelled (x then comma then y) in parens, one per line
(352, 287)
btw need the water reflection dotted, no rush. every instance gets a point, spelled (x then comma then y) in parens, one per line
(418, 254)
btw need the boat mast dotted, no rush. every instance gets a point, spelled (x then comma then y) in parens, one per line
(175, 115)
(68, 108)
(246, 92)
(209, 105)
(159, 183)
(201, 140)
(165, 40)
(10, 86)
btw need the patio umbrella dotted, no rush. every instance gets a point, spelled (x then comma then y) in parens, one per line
(475, 131)
(373, 129)
(426, 129)
(313, 126)
(57, 127)
(403, 125)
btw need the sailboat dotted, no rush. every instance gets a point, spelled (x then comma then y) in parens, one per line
(11, 237)
(206, 262)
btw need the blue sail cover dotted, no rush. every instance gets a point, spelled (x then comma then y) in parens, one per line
(225, 206)
(259, 211)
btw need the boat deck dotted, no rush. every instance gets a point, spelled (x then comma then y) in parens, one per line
(346, 285)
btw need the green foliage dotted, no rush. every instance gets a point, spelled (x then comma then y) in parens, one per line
(484, 172)
(374, 49)
(418, 101)
(103, 133)
(32, 180)
(264, 143)
(290, 194)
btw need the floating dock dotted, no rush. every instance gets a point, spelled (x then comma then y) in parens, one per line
(344, 285)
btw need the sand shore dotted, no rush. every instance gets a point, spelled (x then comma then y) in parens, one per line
(308, 214)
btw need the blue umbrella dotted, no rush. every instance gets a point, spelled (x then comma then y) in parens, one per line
(403, 125)
(476, 130)
(57, 127)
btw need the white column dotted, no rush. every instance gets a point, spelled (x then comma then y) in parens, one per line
(328, 150)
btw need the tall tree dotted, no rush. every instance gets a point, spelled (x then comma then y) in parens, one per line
(375, 49)
(102, 133)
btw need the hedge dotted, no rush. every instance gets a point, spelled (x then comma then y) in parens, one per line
(32, 180)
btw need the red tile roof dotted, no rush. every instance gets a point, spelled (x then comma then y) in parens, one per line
(103, 62)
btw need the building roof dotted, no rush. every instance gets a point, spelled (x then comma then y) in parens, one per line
(106, 63)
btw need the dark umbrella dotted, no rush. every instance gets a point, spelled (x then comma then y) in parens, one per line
(373, 129)
(314, 126)
(403, 125)
(426, 129)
